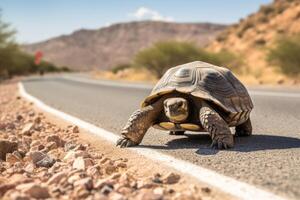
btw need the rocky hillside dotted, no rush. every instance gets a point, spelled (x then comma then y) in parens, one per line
(117, 44)
(253, 36)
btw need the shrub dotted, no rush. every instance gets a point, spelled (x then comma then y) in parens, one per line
(120, 67)
(244, 27)
(164, 55)
(266, 9)
(285, 55)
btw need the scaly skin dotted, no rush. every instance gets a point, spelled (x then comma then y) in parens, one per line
(219, 131)
(138, 124)
(244, 129)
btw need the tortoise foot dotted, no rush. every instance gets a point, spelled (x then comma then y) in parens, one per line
(125, 142)
(244, 129)
(242, 133)
(222, 141)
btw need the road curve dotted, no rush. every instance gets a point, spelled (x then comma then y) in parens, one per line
(270, 159)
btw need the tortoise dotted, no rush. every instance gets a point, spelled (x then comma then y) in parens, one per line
(195, 96)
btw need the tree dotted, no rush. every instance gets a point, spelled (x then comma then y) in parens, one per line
(7, 47)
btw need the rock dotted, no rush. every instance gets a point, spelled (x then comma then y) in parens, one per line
(12, 159)
(87, 183)
(51, 145)
(7, 147)
(121, 164)
(10, 126)
(56, 139)
(80, 193)
(69, 146)
(171, 178)
(100, 183)
(80, 147)
(41, 159)
(35, 143)
(34, 190)
(109, 168)
(82, 163)
(30, 168)
(18, 154)
(117, 196)
(37, 120)
(72, 155)
(19, 117)
(106, 189)
(19, 179)
(16, 195)
(157, 178)
(75, 129)
(27, 129)
(144, 184)
(159, 191)
(94, 171)
(55, 179)
(73, 178)
(206, 190)
(37, 156)
(2, 126)
(5, 187)
(46, 162)
(185, 195)
(146, 194)
(31, 113)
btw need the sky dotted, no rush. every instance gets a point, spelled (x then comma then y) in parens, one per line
(38, 20)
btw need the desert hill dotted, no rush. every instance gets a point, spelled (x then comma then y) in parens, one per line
(253, 36)
(117, 44)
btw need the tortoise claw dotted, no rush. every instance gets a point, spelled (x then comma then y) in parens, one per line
(222, 142)
(125, 142)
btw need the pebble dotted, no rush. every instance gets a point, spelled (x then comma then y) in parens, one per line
(82, 163)
(87, 183)
(12, 159)
(27, 129)
(7, 147)
(171, 178)
(34, 190)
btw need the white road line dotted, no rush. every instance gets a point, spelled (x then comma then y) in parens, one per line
(146, 86)
(274, 94)
(229, 185)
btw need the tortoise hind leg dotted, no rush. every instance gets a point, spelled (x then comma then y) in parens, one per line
(244, 129)
(219, 130)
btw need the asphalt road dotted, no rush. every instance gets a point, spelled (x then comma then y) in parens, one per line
(270, 159)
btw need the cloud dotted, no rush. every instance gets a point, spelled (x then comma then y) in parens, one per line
(143, 13)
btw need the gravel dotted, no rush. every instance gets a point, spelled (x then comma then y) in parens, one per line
(43, 160)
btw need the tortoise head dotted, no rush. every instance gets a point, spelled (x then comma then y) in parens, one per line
(176, 109)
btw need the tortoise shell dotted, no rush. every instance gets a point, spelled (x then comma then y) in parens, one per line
(209, 82)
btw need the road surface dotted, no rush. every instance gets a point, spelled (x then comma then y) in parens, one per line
(270, 159)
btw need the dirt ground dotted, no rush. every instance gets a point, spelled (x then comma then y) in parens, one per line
(43, 157)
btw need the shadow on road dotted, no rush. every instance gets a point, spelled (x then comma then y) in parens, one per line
(242, 144)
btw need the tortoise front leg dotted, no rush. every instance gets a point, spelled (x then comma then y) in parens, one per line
(138, 124)
(219, 130)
